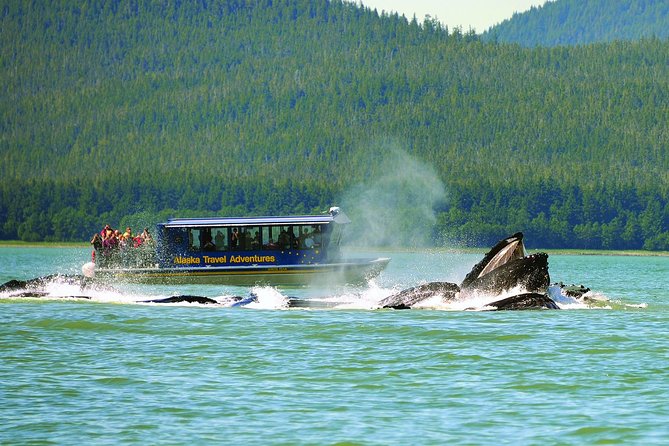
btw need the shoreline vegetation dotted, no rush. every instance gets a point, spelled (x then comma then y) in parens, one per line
(451, 250)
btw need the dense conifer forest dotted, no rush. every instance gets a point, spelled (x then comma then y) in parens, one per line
(580, 22)
(127, 112)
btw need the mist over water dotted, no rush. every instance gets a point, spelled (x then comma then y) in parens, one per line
(395, 207)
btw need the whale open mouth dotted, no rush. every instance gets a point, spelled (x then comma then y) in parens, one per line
(505, 267)
(508, 266)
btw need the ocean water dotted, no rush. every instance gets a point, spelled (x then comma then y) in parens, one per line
(112, 371)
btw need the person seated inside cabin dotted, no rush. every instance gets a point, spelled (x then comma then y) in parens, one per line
(248, 240)
(255, 243)
(272, 245)
(284, 239)
(306, 242)
(219, 240)
(316, 236)
(206, 242)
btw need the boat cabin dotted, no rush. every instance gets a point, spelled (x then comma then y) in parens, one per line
(249, 241)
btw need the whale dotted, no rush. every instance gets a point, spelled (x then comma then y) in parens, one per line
(524, 301)
(182, 298)
(506, 266)
(406, 299)
(40, 282)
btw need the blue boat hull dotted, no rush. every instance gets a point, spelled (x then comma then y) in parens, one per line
(345, 272)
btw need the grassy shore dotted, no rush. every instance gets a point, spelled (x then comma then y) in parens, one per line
(21, 244)
(601, 252)
(555, 252)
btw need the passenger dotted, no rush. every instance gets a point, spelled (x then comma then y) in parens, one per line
(248, 240)
(122, 242)
(219, 240)
(255, 243)
(316, 235)
(272, 245)
(137, 241)
(127, 235)
(111, 246)
(146, 235)
(284, 239)
(234, 240)
(96, 241)
(206, 241)
(304, 236)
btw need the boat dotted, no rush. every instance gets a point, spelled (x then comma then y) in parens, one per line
(278, 250)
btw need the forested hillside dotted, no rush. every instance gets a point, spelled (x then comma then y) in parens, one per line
(126, 112)
(579, 22)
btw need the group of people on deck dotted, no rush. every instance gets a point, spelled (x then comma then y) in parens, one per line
(114, 245)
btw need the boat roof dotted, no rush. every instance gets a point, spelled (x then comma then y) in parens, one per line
(248, 221)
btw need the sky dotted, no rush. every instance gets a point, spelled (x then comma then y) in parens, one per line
(477, 14)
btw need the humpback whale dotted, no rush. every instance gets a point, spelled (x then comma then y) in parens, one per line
(38, 282)
(182, 298)
(505, 267)
(409, 297)
(508, 266)
(525, 301)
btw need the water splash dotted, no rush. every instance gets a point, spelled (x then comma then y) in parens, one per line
(271, 298)
(267, 298)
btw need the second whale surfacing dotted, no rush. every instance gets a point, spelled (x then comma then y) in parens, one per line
(504, 268)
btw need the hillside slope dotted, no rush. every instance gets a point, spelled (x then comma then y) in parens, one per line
(580, 22)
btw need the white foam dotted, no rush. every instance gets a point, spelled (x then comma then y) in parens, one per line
(268, 298)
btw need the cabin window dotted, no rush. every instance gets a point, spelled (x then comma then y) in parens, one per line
(269, 237)
(200, 240)
(253, 238)
(283, 236)
(244, 238)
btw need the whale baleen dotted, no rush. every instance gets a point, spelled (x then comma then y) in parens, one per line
(505, 267)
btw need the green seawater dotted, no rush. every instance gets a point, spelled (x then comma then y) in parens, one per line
(111, 371)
